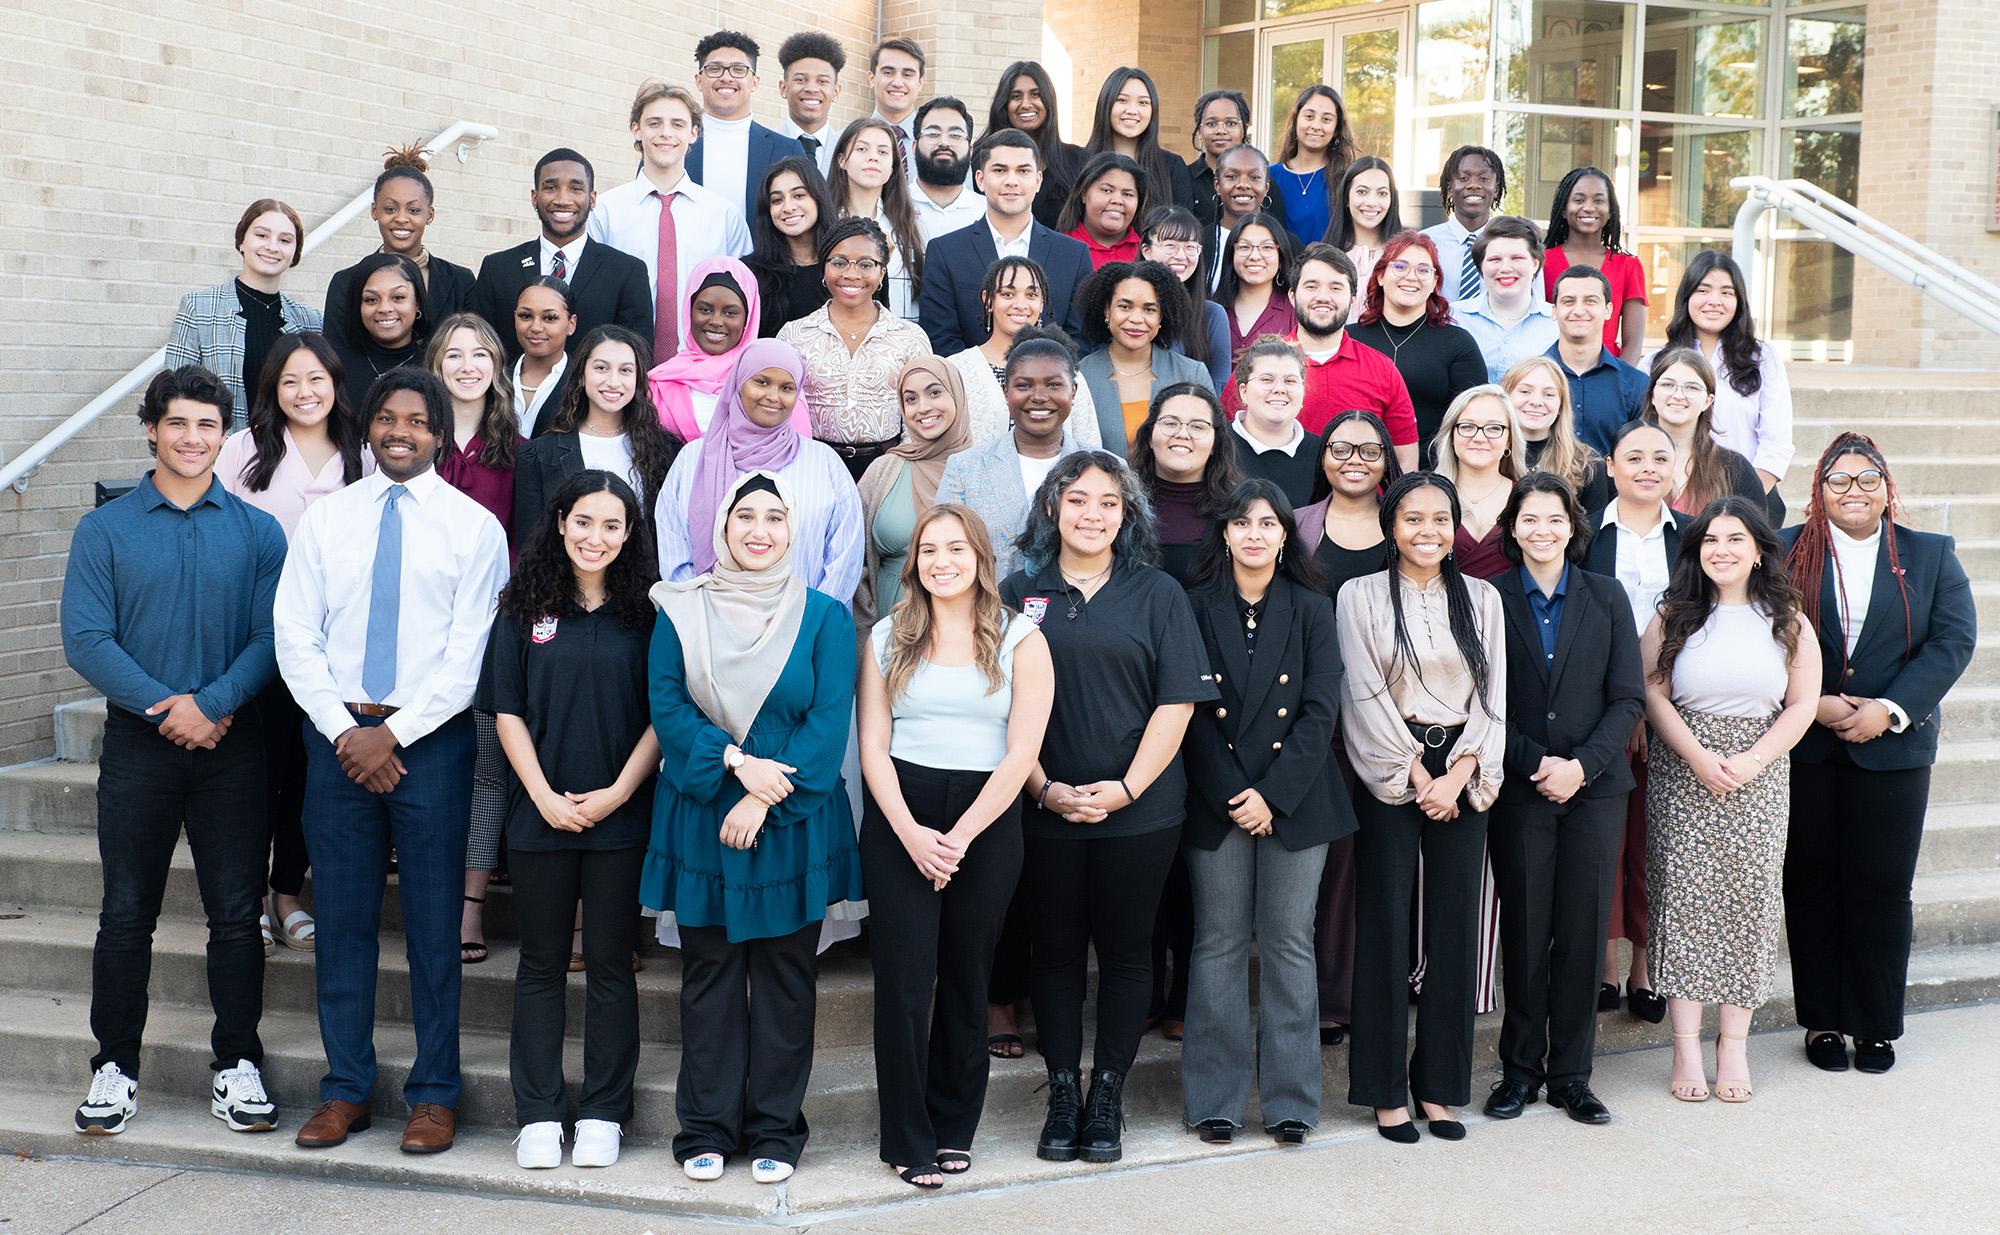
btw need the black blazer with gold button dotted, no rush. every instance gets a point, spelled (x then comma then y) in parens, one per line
(1585, 703)
(1272, 730)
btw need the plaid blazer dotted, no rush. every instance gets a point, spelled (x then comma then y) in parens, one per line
(208, 331)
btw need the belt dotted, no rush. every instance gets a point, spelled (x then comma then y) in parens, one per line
(370, 709)
(1433, 736)
(863, 450)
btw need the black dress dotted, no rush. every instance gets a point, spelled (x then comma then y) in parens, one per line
(1342, 564)
(792, 293)
(1438, 363)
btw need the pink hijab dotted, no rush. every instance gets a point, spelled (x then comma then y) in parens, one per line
(738, 444)
(673, 380)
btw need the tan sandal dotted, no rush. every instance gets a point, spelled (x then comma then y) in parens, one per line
(1681, 1088)
(1735, 1091)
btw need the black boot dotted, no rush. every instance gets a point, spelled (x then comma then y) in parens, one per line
(1059, 1130)
(1104, 1117)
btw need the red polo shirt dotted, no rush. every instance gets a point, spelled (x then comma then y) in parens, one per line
(1101, 255)
(1355, 376)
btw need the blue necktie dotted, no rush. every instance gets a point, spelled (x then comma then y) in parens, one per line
(1468, 275)
(385, 602)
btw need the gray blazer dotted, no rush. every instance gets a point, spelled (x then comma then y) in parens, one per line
(987, 479)
(1169, 368)
(208, 331)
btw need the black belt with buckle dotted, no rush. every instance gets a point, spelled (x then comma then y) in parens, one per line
(1433, 736)
(864, 450)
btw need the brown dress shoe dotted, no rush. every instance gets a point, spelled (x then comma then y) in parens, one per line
(331, 1123)
(430, 1130)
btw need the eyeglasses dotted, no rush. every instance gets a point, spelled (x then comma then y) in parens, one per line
(1289, 381)
(1466, 429)
(1693, 390)
(1369, 452)
(1197, 429)
(1423, 270)
(1217, 124)
(866, 265)
(1262, 248)
(1176, 248)
(1841, 482)
(736, 71)
(931, 133)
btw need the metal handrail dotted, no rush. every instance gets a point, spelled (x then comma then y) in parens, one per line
(1921, 267)
(463, 137)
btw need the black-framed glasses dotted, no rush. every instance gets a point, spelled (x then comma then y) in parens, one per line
(1369, 452)
(1841, 482)
(866, 265)
(1467, 429)
(739, 71)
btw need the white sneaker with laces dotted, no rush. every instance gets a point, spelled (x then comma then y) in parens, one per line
(539, 1146)
(596, 1143)
(770, 1171)
(238, 1099)
(703, 1167)
(111, 1104)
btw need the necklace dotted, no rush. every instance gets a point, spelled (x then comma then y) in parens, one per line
(1080, 585)
(1249, 617)
(1395, 344)
(1144, 368)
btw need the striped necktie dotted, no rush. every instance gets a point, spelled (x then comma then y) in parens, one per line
(1468, 274)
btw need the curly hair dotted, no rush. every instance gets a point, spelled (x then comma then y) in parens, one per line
(1691, 596)
(1094, 298)
(544, 582)
(912, 619)
(1136, 541)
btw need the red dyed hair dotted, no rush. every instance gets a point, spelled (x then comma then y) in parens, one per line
(1437, 310)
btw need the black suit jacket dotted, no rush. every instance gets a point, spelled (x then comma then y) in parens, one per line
(1602, 557)
(540, 467)
(448, 290)
(1273, 728)
(955, 265)
(765, 148)
(1912, 666)
(1584, 704)
(609, 286)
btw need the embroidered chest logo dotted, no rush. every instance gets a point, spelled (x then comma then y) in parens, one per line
(543, 630)
(1035, 608)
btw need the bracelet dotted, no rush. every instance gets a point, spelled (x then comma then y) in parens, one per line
(1042, 798)
(1130, 797)
(1754, 755)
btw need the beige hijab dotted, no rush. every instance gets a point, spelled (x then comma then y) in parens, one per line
(926, 462)
(736, 626)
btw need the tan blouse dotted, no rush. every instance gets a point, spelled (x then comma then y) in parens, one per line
(852, 398)
(1383, 692)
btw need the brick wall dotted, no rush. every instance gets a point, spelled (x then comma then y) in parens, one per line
(1161, 36)
(134, 132)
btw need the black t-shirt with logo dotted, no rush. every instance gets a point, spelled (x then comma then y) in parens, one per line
(1127, 651)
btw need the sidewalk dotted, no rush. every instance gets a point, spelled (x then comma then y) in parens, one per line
(1915, 1150)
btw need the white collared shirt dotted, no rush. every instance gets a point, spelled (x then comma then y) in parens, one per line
(1855, 588)
(572, 253)
(526, 411)
(1642, 567)
(934, 220)
(1017, 247)
(828, 134)
(1290, 447)
(706, 224)
(454, 564)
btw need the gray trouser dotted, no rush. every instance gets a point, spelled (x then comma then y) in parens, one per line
(1250, 885)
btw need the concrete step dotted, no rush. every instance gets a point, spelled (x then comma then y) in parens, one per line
(1968, 513)
(1980, 558)
(1972, 713)
(1919, 433)
(1966, 772)
(1963, 837)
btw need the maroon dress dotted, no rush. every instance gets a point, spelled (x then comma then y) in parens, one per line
(1482, 558)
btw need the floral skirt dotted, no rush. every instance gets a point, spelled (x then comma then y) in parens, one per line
(1715, 869)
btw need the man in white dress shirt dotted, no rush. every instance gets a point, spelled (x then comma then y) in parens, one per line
(1472, 181)
(381, 620)
(945, 199)
(812, 63)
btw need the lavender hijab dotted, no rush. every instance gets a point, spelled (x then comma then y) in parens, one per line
(735, 444)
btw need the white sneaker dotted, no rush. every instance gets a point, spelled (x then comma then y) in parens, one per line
(238, 1099)
(113, 1101)
(703, 1167)
(539, 1146)
(596, 1143)
(770, 1171)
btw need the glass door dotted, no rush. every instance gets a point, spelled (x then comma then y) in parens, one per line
(1361, 57)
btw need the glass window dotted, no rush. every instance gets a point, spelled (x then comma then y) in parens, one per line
(1294, 66)
(1701, 62)
(1540, 150)
(1568, 53)
(1292, 8)
(1453, 38)
(1684, 173)
(1227, 12)
(1665, 258)
(1823, 63)
(1229, 62)
(1368, 69)
(1812, 299)
(1828, 155)
(1436, 137)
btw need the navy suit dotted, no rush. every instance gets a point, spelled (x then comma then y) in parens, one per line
(955, 267)
(766, 147)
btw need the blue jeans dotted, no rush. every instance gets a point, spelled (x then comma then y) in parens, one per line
(349, 831)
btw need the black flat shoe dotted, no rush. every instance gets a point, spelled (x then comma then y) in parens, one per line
(1582, 1105)
(1403, 1133)
(1446, 1129)
(1509, 1098)
(1288, 1132)
(1828, 1052)
(1607, 997)
(1332, 1035)
(1647, 1006)
(1216, 1131)
(1876, 1057)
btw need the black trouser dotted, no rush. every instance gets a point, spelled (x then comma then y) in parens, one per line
(284, 787)
(147, 787)
(547, 887)
(1101, 893)
(1553, 866)
(746, 1042)
(1381, 1071)
(1849, 861)
(930, 1057)
(1013, 955)
(1173, 941)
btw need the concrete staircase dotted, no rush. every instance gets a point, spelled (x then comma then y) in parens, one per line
(50, 889)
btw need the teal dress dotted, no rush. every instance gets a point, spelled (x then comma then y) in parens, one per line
(805, 857)
(892, 529)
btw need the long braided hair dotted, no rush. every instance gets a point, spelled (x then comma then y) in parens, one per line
(1809, 555)
(1458, 598)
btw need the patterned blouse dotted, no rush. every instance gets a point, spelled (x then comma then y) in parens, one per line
(852, 397)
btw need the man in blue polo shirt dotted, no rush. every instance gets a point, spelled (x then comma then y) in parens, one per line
(1604, 391)
(166, 608)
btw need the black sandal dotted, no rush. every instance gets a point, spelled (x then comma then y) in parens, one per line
(913, 1175)
(470, 951)
(954, 1161)
(1006, 1046)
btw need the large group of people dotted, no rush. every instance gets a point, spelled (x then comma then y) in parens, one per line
(1041, 551)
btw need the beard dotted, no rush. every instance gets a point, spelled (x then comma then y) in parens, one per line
(942, 172)
(1321, 326)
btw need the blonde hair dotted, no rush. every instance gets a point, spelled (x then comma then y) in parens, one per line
(911, 621)
(1566, 455)
(1513, 460)
(651, 91)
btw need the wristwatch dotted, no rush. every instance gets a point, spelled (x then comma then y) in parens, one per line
(733, 757)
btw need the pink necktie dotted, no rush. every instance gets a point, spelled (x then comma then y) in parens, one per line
(666, 285)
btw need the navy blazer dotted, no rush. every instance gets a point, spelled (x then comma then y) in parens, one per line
(766, 147)
(1914, 666)
(955, 266)
(610, 287)
(1274, 725)
(1583, 705)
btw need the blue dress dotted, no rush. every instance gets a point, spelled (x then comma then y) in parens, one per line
(1307, 206)
(805, 857)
